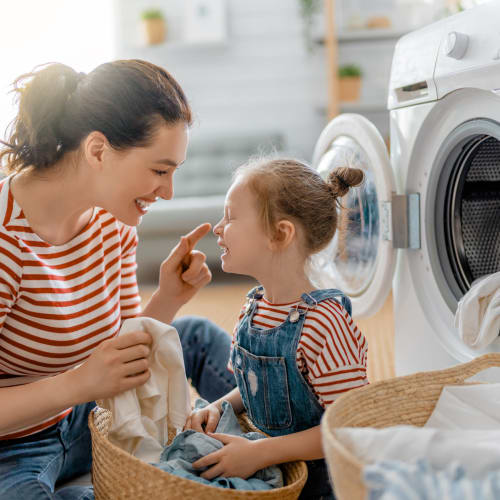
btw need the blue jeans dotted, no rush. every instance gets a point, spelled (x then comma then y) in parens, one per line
(31, 467)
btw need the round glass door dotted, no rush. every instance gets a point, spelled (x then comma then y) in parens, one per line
(353, 250)
(357, 260)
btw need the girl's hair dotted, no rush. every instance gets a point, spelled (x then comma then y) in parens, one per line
(287, 188)
(58, 108)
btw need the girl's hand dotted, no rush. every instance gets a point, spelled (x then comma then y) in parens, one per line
(240, 457)
(204, 419)
(184, 271)
(116, 365)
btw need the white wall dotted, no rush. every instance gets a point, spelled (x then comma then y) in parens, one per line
(263, 79)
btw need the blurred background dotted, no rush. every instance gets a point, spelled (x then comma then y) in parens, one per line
(258, 75)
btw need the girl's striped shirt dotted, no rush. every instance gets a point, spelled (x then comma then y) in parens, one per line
(331, 352)
(57, 303)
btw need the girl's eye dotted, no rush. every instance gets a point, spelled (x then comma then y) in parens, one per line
(160, 172)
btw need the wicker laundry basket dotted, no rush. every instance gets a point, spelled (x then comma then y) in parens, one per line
(407, 400)
(117, 475)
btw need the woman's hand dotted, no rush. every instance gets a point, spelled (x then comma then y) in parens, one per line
(184, 271)
(203, 419)
(240, 457)
(116, 365)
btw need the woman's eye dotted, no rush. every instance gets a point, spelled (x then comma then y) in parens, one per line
(160, 172)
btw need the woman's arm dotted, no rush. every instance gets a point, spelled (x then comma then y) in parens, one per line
(241, 457)
(116, 365)
(182, 274)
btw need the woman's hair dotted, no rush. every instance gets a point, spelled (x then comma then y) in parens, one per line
(58, 107)
(287, 188)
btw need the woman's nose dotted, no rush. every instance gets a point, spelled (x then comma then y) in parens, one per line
(165, 191)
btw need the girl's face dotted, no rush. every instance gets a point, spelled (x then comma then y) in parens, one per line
(133, 179)
(240, 233)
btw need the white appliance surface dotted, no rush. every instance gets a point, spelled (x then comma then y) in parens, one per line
(444, 101)
(465, 87)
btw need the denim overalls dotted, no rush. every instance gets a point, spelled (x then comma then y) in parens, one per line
(276, 395)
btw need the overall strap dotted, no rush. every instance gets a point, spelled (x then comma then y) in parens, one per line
(256, 292)
(339, 296)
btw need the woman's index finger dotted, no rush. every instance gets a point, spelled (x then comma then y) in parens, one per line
(197, 234)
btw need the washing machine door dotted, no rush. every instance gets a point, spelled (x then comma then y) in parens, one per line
(360, 259)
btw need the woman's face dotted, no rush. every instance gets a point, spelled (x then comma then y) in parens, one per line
(135, 178)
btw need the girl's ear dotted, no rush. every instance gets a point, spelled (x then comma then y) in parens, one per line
(283, 235)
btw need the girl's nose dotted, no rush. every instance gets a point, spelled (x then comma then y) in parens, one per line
(217, 228)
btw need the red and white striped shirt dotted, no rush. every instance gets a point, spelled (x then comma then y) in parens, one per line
(331, 352)
(57, 303)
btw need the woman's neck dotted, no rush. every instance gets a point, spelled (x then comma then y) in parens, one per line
(54, 203)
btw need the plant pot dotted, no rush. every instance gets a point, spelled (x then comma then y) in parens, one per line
(349, 88)
(154, 31)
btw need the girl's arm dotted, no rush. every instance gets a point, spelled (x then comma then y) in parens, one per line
(233, 397)
(206, 419)
(304, 445)
(242, 458)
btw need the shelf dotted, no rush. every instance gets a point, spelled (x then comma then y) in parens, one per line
(362, 107)
(357, 107)
(366, 34)
(183, 45)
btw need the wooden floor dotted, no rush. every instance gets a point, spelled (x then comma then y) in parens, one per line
(221, 302)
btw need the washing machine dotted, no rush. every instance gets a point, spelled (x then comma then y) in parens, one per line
(426, 222)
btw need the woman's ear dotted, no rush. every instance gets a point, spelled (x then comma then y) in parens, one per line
(95, 145)
(283, 235)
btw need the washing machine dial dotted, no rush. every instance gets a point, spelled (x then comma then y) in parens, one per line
(456, 44)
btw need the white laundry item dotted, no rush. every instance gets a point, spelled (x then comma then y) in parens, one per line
(467, 407)
(477, 451)
(141, 416)
(478, 314)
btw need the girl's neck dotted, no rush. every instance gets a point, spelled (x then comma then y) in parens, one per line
(282, 286)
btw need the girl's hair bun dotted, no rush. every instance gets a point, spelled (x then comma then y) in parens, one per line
(342, 178)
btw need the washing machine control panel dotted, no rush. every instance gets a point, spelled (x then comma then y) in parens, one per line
(456, 44)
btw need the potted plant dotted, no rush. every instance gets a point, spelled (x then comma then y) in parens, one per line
(349, 82)
(153, 23)
(308, 8)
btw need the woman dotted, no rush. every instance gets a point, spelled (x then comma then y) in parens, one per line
(87, 154)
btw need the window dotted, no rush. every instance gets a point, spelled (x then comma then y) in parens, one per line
(79, 34)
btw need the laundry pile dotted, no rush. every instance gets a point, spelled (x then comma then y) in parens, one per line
(144, 417)
(478, 314)
(456, 455)
(189, 446)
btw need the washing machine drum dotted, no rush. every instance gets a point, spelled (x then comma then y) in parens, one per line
(467, 212)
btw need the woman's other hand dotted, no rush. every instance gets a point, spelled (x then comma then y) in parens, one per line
(203, 419)
(184, 271)
(115, 365)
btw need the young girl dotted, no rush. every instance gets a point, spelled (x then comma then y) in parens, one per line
(295, 348)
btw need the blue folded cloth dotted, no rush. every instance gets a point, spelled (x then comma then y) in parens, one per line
(190, 445)
(394, 480)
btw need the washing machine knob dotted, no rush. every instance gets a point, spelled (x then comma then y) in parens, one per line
(456, 44)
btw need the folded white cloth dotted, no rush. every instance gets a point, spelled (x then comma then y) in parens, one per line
(467, 407)
(478, 314)
(477, 451)
(140, 415)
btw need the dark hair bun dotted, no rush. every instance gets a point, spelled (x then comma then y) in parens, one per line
(342, 178)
